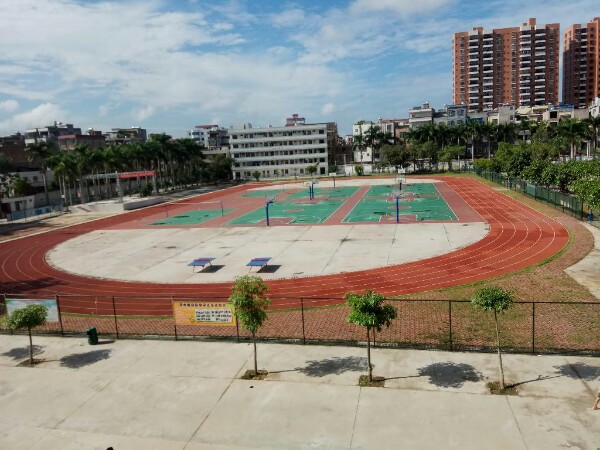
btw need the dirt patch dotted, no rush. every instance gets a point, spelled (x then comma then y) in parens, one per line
(251, 375)
(363, 381)
(495, 389)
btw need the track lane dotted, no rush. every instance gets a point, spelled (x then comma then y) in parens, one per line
(519, 237)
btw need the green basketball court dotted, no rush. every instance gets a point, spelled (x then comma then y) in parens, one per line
(264, 193)
(337, 192)
(192, 217)
(432, 207)
(298, 213)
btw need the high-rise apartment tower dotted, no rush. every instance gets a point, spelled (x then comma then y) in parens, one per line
(581, 63)
(517, 66)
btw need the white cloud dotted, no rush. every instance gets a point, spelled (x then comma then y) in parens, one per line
(404, 8)
(9, 105)
(288, 18)
(141, 114)
(41, 115)
(328, 108)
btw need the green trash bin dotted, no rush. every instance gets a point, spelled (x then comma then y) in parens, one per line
(92, 334)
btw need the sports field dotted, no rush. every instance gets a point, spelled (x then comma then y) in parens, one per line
(332, 192)
(193, 217)
(295, 213)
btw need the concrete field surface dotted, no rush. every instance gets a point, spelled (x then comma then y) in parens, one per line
(132, 394)
(162, 255)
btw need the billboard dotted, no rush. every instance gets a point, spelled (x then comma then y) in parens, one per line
(190, 312)
(15, 304)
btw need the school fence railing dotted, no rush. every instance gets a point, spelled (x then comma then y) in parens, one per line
(567, 203)
(33, 212)
(530, 326)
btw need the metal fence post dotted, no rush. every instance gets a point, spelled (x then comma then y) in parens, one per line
(302, 311)
(450, 324)
(62, 331)
(237, 329)
(532, 327)
(115, 316)
(174, 320)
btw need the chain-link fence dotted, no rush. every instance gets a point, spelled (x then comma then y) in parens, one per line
(537, 327)
(567, 203)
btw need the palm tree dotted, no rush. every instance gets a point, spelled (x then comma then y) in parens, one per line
(507, 132)
(475, 131)
(358, 144)
(41, 150)
(573, 130)
(594, 124)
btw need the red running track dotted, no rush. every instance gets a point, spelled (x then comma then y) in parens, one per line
(519, 237)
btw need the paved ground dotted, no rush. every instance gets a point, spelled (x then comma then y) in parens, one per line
(162, 255)
(585, 272)
(188, 395)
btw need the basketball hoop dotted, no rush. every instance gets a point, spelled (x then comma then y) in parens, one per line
(270, 199)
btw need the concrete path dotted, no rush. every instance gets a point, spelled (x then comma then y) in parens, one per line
(586, 271)
(187, 395)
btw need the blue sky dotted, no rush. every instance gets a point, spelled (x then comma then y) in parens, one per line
(170, 65)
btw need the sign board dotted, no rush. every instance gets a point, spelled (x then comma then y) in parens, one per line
(13, 305)
(401, 171)
(332, 174)
(190, 312)
(148, 173)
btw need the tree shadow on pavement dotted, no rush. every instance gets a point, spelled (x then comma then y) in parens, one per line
(579, 371)
(78, 360)
(23, 352)
(334, 366)
(449, 374)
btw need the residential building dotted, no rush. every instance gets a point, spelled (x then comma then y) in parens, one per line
(517, 66)
(50, 133)
(581, 64)
(69, 142)
(419, 116)
(401, 129)
(13, 147)
(365, 154)
(502, 114)
(451, 115)
(278, 151)
(118, 136)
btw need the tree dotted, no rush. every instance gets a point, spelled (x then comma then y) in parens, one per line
(497, 300)
(276, 173)
(311, 170)
(594, 124)
(256, 175)
(29, 317)
(396, 156)
(572, 130)
(41, 150)
(249, 302)
(22, 187)
(359, 169)
(368, 310)
(6, 164)
(588, 191)
(358, 143)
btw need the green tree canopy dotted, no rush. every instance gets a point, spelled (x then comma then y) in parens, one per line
(496, 300)
(367, 310)
(249, 302)
(397, 156)
(27, 318)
